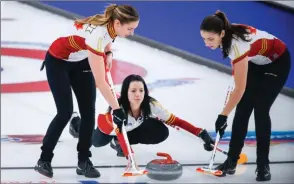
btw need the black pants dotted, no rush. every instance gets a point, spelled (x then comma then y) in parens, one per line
(264, 83)
(151, 131)
(62, 78)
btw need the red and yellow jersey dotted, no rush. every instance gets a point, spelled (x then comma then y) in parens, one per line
(157, 112)
(75, 43)
(263, 48)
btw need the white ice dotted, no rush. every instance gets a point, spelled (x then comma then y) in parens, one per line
(198, 103)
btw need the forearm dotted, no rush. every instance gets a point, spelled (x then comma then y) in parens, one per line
(240, 79)
(185, 125)
(234, 99)
(98, 69)
(108, 95)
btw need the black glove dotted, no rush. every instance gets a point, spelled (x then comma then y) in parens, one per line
(221, 124)
(119, 118)
(204, 135)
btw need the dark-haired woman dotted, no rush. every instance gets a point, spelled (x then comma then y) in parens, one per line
(261, 63)
(146, 121)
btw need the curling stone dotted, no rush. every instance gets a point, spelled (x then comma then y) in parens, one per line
(164, 169)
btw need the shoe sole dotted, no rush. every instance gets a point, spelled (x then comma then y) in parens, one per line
(263, 179)
(80, 172)
(43, 173)
(228, 172)
(231, 172)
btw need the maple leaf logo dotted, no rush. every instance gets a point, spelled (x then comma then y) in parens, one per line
(78, 26)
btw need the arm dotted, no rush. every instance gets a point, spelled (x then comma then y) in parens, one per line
(98, 68)
(184, 125)
(240, 78)
(172, 120)
(96, 45)
(108, 56)
(108, 47)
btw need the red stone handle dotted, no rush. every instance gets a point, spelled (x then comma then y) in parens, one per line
(168, 157)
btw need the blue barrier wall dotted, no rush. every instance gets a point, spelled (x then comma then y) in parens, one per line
(177, 23)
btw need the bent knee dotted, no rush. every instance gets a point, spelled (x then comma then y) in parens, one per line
(100, 139)
(165, 134)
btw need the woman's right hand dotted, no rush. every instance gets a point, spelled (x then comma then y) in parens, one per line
(221, 124)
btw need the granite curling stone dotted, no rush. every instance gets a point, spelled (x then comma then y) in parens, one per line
(164, 169)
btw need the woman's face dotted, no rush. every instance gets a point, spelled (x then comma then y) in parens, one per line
(212, 40)
(136, 93)
(125, 30)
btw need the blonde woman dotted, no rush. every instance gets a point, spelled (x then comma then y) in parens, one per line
(77, 61)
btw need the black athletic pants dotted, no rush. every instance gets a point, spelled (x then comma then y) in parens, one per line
(63, 77)
(151, 131)
(264, 83)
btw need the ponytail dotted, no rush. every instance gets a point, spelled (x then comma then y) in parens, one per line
(99, 19)
(227, 39)
(219, 22)
(224, 18)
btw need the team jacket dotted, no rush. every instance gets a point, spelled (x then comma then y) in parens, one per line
(263, 48)
(79, 38)
(157, 112)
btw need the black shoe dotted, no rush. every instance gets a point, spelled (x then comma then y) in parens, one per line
(74, 127)
(44, 168)
(207, 139)
(263, 173)
(87, 169)
(114, 144)
(228, 167)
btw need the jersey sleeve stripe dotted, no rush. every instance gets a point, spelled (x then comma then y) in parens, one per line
(71, 43)
(171, 119)
(263, 47)
(240, 58)
(75, 44)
